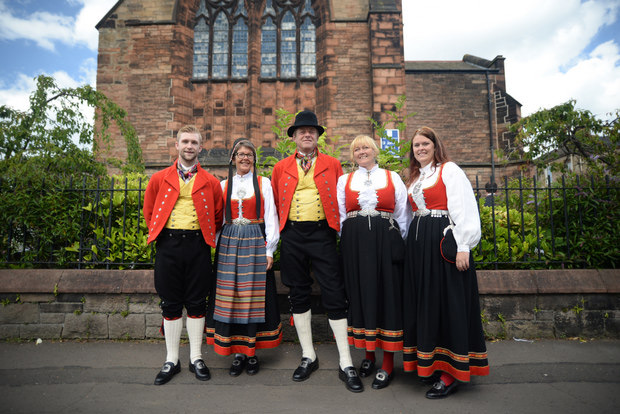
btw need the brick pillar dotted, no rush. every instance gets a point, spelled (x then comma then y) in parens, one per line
(386, 56)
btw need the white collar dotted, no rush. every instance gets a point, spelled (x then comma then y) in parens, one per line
(243, 177)
(430, 167)
(184, 168)
(373, 169)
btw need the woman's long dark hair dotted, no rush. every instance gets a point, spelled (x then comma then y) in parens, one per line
(439, 156)
(245, 143)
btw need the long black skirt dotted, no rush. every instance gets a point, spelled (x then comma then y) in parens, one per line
(442, 324)
(373, 281)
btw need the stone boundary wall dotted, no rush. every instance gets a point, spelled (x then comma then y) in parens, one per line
(122, 304)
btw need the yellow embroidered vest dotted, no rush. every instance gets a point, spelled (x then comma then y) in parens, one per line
(306, 204)
(183, 214)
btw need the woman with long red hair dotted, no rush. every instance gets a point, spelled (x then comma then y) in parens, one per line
(443, 336)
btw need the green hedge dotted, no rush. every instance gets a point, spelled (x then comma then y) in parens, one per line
(99, 223)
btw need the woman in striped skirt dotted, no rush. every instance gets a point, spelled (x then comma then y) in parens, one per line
(444, 340)
(374, 217)
(243, 313)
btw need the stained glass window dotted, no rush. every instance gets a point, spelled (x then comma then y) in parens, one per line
(288, 46)
(222, 36)
(307, 49)
(240, 50)
(201, 49)
(221, 40)
(220, 46)
(269, 38)
(288, 40)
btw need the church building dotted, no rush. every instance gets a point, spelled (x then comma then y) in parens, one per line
(226, 66)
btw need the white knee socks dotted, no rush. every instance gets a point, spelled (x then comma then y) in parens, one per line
(195, 331)
(339, 327)
(172, 333)
(303, 325)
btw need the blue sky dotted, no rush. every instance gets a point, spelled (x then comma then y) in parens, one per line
(555, 50)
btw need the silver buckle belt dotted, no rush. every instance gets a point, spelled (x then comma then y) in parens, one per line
(373, 213)
(242, 221)
(433, 213)
(370, 213)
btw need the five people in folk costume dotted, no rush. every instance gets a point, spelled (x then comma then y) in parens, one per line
(419, 297)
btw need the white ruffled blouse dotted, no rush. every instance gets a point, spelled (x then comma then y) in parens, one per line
(368, 194)
(462, 205)
(272, 226)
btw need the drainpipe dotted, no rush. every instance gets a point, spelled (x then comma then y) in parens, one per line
(493, 186)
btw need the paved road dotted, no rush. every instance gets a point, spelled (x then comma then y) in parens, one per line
(116, 377)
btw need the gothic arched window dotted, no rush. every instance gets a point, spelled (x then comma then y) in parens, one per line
(221, 40)
(288, 40)
(269, 49)
(287, 34)
(201, 49)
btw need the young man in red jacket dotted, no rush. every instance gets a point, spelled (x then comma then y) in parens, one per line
(304, 187)
(183, 211)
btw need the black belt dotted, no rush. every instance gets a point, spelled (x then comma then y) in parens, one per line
(318, 223)
(180, 233)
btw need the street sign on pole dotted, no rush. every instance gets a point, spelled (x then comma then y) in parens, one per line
(391, 133)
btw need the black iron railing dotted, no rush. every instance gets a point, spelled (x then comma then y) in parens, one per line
(569, 223)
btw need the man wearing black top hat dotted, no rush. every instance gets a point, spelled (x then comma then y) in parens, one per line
(304, 186)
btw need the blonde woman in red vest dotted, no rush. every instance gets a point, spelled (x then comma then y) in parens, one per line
(444, 340)
(374, 218)
(243, 313)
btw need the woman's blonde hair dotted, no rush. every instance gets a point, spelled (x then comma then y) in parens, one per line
(361, 140)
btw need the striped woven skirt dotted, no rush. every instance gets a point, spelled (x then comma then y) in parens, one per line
(243, 312)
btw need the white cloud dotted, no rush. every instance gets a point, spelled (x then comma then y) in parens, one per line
(18, 93)
(92, 12)
(47, 29)
(544, 45)
(42, 28)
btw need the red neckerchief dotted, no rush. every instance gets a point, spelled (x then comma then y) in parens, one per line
(306, 160)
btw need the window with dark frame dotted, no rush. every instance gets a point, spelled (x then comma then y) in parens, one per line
(288, 41)
(221, 40)
(287, 33)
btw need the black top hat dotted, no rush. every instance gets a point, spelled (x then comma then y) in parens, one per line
(305, 118)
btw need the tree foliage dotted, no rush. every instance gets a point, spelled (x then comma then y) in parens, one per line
(286, 146)
(396, 156)
(54, 139)
(563, 130)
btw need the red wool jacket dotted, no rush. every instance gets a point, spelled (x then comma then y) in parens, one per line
(162, 193)
(326, 172)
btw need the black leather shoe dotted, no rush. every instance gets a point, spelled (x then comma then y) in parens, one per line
(351, 379)
(237, 366)
(166, 373)
(367, 368)
(382, 379)
(200, 369)
(306, 368)
(440, 390)
(253, 367)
